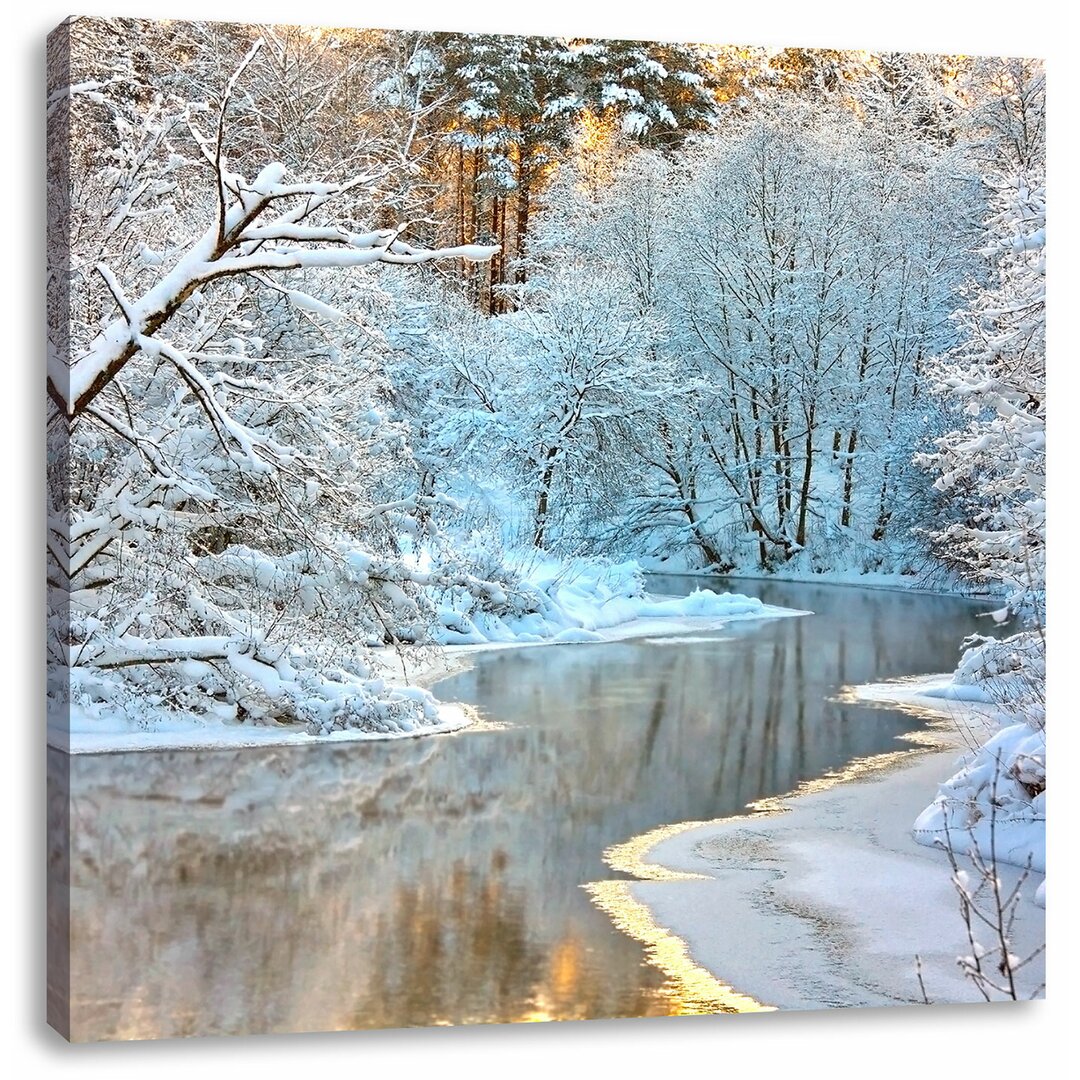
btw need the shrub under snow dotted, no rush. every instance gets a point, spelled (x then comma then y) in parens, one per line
(997, 799)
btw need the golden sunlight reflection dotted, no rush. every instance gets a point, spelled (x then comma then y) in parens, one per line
(692, 989)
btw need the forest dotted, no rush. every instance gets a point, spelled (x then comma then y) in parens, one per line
(374, 338)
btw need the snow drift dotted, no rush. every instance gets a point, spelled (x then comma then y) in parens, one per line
(996, 801)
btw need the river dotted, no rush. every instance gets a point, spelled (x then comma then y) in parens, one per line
(440, 880)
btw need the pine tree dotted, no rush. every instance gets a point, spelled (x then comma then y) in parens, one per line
(659, 92)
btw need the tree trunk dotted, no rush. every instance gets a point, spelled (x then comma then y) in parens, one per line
(495, 266)
(884, 514)
(849, 479)
(779, 471)
(543, 497)
(504, 255)
(708, 549)
(521, 230)
(808, 468)
(474, 223)
(461, 237)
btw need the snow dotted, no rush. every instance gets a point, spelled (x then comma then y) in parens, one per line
(94, 736)
(596, 408)
(203, 261)
(594, 600)
(934, 695)
(809, 905)
(1015, 832)
(588, 601)
(806, 902)
(995, 798)
(310, 303)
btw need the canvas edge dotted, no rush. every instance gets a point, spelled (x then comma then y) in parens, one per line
(57, 524)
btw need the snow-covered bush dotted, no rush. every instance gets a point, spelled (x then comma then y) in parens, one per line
(996, 802)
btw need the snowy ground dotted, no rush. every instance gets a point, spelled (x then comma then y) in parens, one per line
(584, 608)
(185, 734)
(823, 899)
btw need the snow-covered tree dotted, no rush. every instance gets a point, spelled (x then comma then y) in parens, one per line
(660, 93)
(991, 471)
(507, 109)
(700, 340)
(803, 268)
(228, 495)
(993, 466)
(585, 383)
(813, 272)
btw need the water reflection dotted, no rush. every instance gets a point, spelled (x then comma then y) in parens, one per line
(439, 880)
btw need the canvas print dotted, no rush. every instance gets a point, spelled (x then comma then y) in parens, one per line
(539, 528)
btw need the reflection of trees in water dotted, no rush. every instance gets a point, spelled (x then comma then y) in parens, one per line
(439, 879)
(233, 945)
(737, 718)
(465, 950)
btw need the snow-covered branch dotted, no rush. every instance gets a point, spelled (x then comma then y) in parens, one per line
(236, 245)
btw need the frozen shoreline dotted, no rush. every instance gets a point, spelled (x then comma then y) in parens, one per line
(423, 667)
(818, 888)
(902, 583)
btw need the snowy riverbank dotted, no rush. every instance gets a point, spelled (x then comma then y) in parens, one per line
(871, 579)
(583, 606)
(809, 903)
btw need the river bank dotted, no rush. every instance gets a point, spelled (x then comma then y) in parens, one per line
(822, 899)
(420, 667)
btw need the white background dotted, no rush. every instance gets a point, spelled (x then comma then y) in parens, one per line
(1029, 1041)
